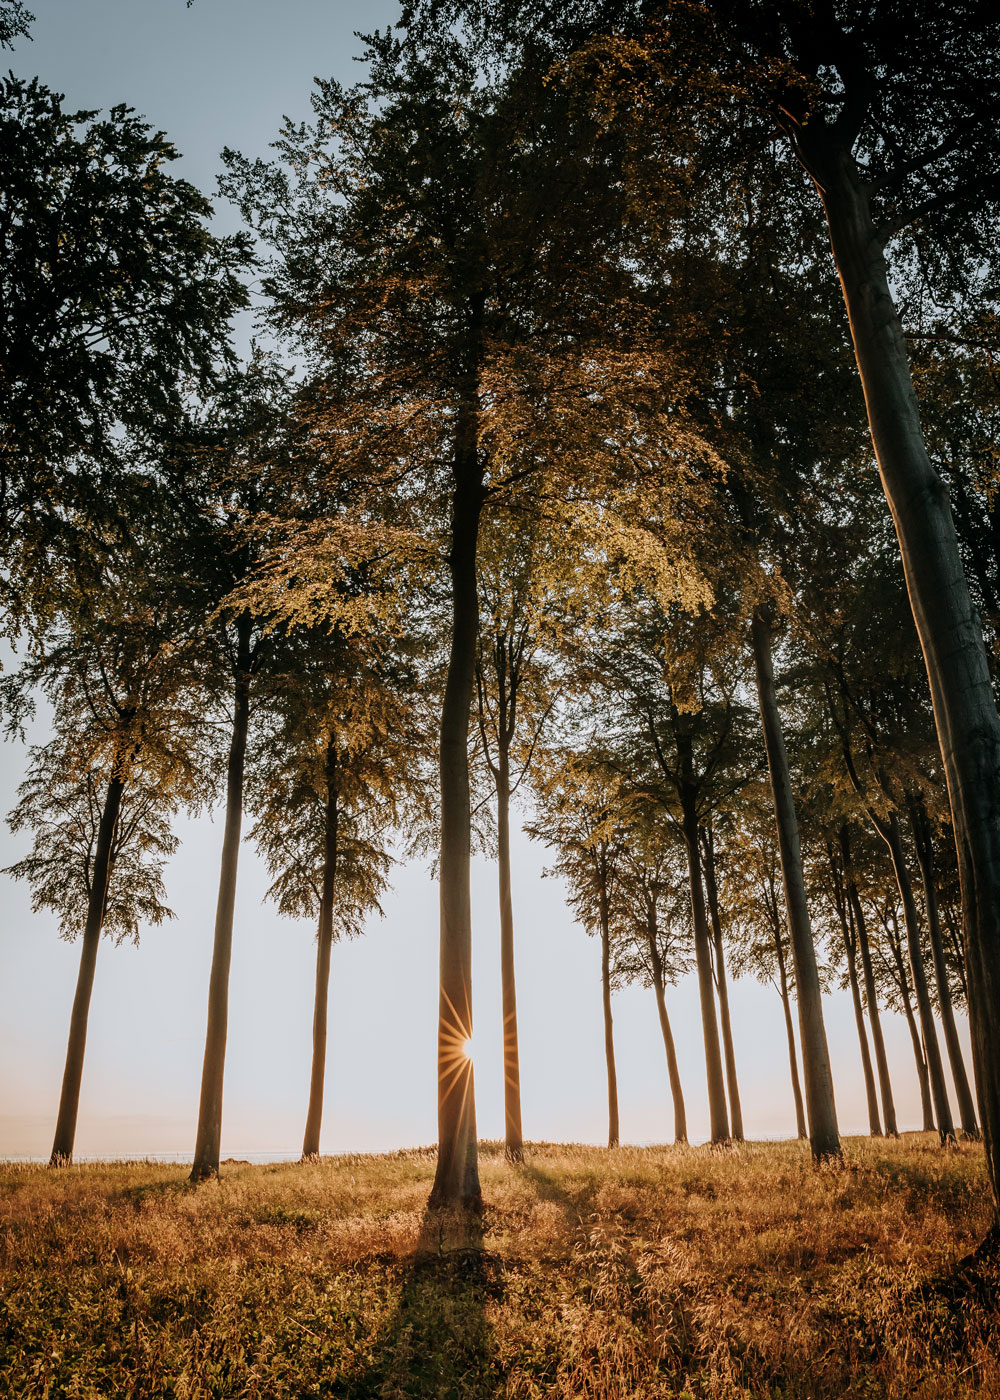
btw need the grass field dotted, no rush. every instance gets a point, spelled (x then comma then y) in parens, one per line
(634, 1273)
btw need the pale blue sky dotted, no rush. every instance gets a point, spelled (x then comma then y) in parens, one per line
(224, 72)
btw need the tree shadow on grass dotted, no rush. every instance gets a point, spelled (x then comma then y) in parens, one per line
(436, 1344)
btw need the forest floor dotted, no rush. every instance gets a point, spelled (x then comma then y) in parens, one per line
(641, 1272)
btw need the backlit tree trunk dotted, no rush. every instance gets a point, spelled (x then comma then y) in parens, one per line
(456, 1180)
(513, 1144)
(928, 1031)
(609, 1028)
(926, 1105)
(722, 986)
(824, 1135)
(717, 1108)
(209, 1138)
(324, 946)
(951, 638)
(849, 935)
(676, 1092)
(924, 844)
(871, 992)
(69, 1099)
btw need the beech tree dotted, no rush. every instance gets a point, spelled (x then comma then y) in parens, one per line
(336, 757)
(119, 667)
(114, 298)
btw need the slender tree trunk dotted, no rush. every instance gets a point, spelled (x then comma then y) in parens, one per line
(456, 1180)
(722, 986)
(965, 711)
(871, 993)
(718, 1111)
(932, 1050)
(824, 1135)
(513, 1144)
(324, 946)
(926, 1106)
(676, 1092)
(609, 1029)
(793, 1059)
(69, 1099)
(850, 948)
(209, 1139)
(924, 844)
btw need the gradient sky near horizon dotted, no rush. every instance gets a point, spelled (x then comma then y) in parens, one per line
(224, 73)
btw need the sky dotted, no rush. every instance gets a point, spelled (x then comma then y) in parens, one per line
(224, 73)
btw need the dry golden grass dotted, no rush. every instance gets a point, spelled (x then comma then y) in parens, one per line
(634, 1273)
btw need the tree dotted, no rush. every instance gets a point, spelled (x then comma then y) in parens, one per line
(119, 668)
(579, 815)
(644, 927)
(114, 298)
(335, 760)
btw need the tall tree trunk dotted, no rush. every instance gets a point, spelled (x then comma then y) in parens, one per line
(722, 986)
(932, 1051)
(69, 1099)
(923, 1078)
(924, 844)
(209, 1138)
(609, 1029)
(871, 993)
(513, 1144)
(824, 1135)
(850, 938)
(324, 946)
(951, 637)
(793, 1060)
(717, 1107)
(456, 1180)
(676, 1092)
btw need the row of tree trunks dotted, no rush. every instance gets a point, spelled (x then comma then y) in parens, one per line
(948, 626)
(898, 966)
(324, 948)
(924, 844)
(871, 995)
(928, 1032)
(69, 1099)
(850, 939)
(824, 1135)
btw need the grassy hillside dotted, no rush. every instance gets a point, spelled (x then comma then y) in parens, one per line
(634, 1273)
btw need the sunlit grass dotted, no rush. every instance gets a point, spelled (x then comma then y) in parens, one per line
(632, 1273)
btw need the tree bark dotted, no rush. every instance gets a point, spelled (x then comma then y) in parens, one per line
(932, 1051)
(456, 1180)
(722, 986)
(209, 1138)
(324, 947)
(951, 638)
(609, 1029)
(69, 1099)
(824, 1135)
(924, 844)
(513, 1143)
(676, 1091)
(793, 1062)
(871, 993)
(718, 1110)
